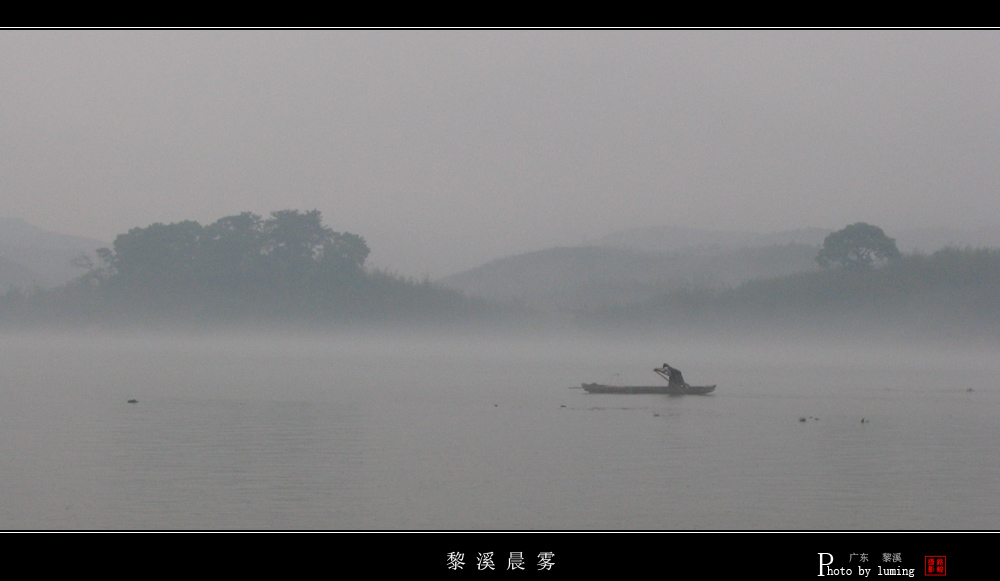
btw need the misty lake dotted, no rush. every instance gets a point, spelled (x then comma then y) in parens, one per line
(427, 432)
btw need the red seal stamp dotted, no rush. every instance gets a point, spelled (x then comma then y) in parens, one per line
(936, 566)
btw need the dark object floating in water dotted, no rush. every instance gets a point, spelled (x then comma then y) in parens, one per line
(133, 401)
(675, 385)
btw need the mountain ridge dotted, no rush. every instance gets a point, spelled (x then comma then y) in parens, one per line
(33, 256)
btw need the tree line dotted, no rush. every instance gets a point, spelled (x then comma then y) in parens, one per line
(290, 267)
(243, 255)
(240, 268)
(864, 283)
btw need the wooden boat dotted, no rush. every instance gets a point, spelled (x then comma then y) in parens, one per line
(675, 385)
(662, 389)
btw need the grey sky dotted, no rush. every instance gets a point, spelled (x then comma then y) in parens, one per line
(446, 149)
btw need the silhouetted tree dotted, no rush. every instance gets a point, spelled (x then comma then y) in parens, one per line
(859, 246)
(157, 256)
(289, 259)
(344, 254)
(231, 249)
(293, 242)
(287, 267)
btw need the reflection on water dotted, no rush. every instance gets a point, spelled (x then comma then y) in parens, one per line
(457, 434)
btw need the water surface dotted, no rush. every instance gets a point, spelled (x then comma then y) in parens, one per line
(409, 432)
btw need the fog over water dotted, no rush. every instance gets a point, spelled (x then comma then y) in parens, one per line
(403, 431)
(606, 200)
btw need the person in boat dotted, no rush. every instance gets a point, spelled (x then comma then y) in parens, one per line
(674, 376)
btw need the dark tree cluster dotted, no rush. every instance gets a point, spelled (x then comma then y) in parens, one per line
(287, 268)
(952, 292)
(859, 246)
(289, 261)
(290, 246)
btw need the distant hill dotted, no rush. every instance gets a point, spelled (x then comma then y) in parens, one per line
(673, 239)
(949, 294)
(928, 240)
(32, 256)
(588, 277)
(635, 265)
(15, 274)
